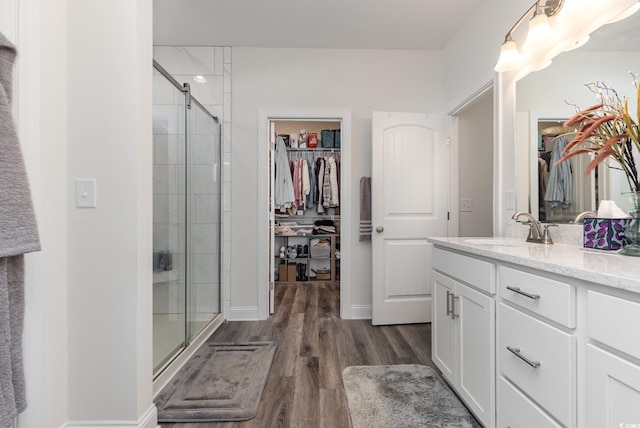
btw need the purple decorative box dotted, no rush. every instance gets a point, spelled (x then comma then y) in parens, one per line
(605, 233)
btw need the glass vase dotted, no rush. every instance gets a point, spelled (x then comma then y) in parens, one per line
(632, 231)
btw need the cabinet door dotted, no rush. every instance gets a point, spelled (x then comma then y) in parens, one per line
(444, 335)
(476, 350)
(613, 390)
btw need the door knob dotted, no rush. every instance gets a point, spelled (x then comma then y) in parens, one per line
(379, 229)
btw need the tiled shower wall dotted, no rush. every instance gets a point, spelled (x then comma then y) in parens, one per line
(214, 64)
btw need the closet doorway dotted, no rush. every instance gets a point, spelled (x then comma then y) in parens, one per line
(308, 209)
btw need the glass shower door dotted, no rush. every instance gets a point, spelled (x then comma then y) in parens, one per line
(186, 218)
(169, 220)
(204, 213)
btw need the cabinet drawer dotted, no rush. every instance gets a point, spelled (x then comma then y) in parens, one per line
(552, 383)
(614, 322)
(475, 272)
(551, 299)
(516, 410)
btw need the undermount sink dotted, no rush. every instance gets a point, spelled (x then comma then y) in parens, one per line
(499, 242)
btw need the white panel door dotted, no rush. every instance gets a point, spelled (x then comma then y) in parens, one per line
(409, 202)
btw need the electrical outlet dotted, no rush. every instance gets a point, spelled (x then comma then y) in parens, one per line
(466, 205)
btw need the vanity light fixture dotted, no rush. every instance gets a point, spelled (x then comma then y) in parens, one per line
(537, 34)
(556, 26)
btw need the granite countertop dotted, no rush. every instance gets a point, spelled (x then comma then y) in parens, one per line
(606, 268)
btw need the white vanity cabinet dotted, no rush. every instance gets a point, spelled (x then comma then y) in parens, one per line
(463, 345)
(566, 332)
(613, 361)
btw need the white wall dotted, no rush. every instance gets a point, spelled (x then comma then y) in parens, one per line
(37, 30)
(475, 167)
(109, 248)
(469, 58)
(83, 103)
(360, 80)
(471, 54)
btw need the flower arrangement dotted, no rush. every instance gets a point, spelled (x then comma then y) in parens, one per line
(608, 131)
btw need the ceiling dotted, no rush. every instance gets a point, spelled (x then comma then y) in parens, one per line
(331, 24)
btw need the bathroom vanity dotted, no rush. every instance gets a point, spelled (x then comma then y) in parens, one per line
(534, 335)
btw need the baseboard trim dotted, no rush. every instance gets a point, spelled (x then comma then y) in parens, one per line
(148, 420)
(243, 313)
(361, 312)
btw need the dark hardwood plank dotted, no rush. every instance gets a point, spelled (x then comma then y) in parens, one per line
(304, 388)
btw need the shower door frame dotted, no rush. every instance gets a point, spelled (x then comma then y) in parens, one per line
(166, 370)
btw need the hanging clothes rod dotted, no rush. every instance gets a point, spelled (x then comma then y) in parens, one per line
(184, 89)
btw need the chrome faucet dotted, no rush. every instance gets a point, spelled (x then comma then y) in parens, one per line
(584, 215)
(535, 235)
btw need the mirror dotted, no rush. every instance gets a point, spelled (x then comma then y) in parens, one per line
(545, 98)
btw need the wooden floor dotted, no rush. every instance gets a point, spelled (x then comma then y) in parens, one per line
(304, 389)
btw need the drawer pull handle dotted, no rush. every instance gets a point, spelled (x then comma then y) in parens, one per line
(516, 352)
(451, 305)
(524, 293)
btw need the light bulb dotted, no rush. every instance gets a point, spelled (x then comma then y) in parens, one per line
(509, 56)
(539, 34)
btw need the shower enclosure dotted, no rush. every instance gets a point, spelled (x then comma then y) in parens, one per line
(186, 217)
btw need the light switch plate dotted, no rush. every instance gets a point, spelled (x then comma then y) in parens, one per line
(510, 200)
(86, 196)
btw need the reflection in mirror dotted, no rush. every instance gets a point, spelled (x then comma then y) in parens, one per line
(544, 99)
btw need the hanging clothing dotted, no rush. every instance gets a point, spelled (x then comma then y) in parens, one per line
(296, 182)
(559, 186)
(284, 196)
(333, 181)
(312, 184)
(306, 185)
(321, 177)
(326, 185)
(18, 235)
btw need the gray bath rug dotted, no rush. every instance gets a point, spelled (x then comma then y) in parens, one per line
(221, 382)
(405, 395)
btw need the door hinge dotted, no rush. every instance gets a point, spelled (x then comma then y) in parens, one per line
(448, 216)
(271, 285)
(448, 141)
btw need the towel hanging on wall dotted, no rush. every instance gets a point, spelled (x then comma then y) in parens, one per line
(18, 235)
(365, 209)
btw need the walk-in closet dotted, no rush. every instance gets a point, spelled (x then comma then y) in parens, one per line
(305, 203)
